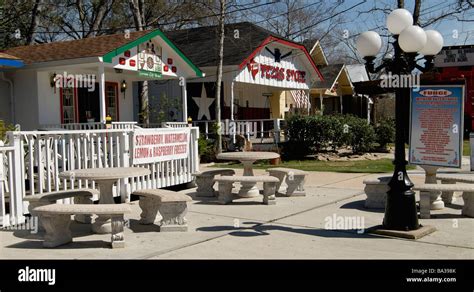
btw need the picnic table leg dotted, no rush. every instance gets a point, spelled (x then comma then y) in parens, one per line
(448, 197)
(435, 196)
(248, 189)
(468, 208)
(102, 224)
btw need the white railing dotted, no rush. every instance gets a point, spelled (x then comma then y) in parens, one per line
(33, 160)
(174, 125)
(89, 126)
(256, 129)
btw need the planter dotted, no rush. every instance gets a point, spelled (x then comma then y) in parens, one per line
(275, 161)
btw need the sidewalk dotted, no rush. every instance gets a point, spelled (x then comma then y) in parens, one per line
(293, 228)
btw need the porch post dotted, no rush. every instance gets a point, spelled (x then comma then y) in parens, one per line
(102, 93)
(232, 106)
(232, 100)
(184, 95)
(340, 101)
(321, 102)
(309, 101)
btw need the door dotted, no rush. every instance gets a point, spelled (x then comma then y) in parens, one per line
(111, 100)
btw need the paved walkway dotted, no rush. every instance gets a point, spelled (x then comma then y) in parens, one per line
(294, 228)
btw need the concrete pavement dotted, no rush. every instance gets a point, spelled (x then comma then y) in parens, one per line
(293, 228)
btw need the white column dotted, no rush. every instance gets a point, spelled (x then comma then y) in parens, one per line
(232, 100)
(102, 93)
(321, 102)
(340, 101)
(184, 95)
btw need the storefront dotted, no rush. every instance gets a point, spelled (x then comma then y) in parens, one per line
(262, 74)
(84, 81)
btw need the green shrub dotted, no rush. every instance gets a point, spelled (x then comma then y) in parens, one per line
(312, 134)
(206, 149)
(385, 132)
(4, 128)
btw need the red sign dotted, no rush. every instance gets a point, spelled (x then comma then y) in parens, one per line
(275, 72)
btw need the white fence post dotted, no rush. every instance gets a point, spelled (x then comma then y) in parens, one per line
(125, 159)
(472, 151)
(276, 130)
(16, 194)
(4, 220)
(194, 150)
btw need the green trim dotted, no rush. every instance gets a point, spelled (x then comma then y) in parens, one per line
(110, 55)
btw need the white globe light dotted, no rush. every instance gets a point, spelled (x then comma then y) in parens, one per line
(398, 20)
(434, 43)
(368, 44)
(412, 39)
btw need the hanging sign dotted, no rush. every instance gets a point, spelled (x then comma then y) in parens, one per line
(155, 145)
(436, 125)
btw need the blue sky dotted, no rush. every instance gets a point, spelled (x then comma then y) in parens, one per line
(454, 32)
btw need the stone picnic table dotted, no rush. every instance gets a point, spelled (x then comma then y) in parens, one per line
(248, 189)
(105, 178)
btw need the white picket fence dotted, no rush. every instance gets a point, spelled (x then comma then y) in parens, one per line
(89, 126)
(32, 161)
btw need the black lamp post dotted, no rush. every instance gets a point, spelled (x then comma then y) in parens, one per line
(400, 208)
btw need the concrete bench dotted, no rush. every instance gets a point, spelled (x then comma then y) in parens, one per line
(226, 183)
(171, 205)
(81, 196)
(295, 180)
(57, 218)
(376, 191)
(205, 181)
(425, 189)
(448, 197)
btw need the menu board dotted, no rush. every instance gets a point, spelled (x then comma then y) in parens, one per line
(436, 125)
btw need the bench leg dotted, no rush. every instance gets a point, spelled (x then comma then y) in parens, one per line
(448, 197)
(149, 208)
(269, 189)
(57, 230)
(86, 219)
(225, 192)
(33, 205)
(205, 186)
(425, 205)
(279, 175)
(376, 196)
(117, 238)
(468, 208)
(173, 216)
(295, 185)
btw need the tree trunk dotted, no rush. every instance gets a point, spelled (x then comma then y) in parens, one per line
(219, 74)
(30, 38)
(416, 12)
(137, 7)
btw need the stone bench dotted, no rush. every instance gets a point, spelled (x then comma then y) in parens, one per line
(448, 197)
(295, 180)
(205, 181)
(226, 183)
(376, 191)
(57, 218)
(171, 205)
(425, 202)
(81, 196)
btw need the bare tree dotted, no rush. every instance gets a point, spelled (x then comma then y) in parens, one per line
(222, 7)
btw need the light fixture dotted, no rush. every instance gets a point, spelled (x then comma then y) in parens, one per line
(398, 20)
(368, 44)
(434, 43)
(412, 39)
(52, 80)
(123, 86)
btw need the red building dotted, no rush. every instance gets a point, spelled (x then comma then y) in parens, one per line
(457, 63)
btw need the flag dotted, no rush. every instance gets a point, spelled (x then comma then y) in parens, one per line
(301, 98)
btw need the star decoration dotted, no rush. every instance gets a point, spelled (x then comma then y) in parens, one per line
(203, 103)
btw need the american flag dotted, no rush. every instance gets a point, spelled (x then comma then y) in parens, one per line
(301, 98)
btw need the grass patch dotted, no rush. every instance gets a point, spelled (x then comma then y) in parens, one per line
(467, 148)
(362, 166)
